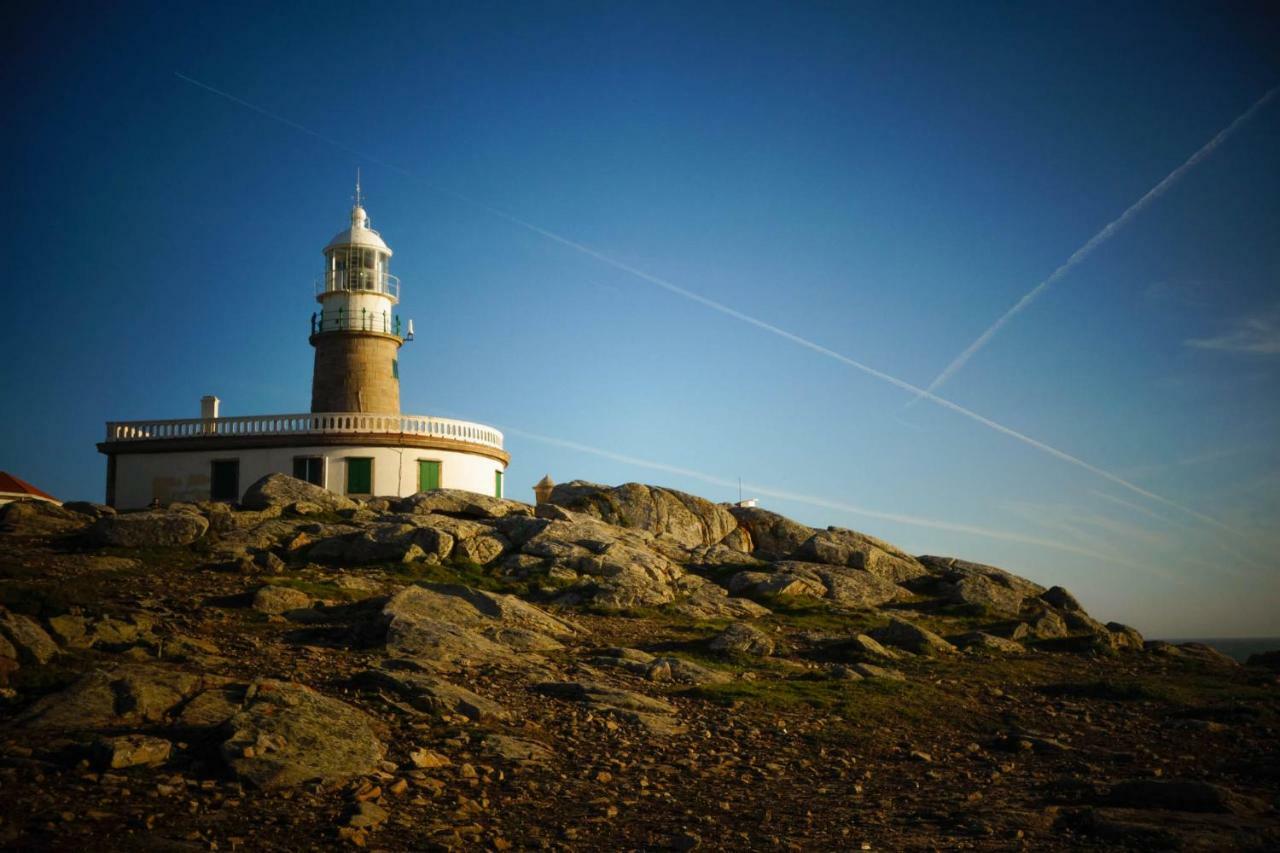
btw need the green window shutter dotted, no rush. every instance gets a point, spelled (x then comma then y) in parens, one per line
(359, 476)
(428, 475)
(395, 368)
(497, 484)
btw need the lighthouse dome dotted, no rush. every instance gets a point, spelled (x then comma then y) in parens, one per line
(359, 234)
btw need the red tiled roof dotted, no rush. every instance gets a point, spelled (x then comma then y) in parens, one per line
(12, 485)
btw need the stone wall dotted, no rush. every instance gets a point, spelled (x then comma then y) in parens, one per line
(354, 373)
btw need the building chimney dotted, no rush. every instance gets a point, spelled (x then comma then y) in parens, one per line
(209, 407)
(542, 489)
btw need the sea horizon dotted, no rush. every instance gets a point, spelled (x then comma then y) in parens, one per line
(1238, 648)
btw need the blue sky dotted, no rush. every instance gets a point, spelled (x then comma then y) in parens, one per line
(883, 181)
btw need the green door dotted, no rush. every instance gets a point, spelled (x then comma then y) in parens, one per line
(497, 484)
(359, 476)
(428, 475)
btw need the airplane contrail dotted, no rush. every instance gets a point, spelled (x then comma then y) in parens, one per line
(736, 314)
(1094, 242)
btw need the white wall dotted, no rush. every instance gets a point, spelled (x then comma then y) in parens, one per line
(184, 476)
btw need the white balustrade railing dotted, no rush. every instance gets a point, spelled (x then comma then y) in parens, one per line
(316, 423)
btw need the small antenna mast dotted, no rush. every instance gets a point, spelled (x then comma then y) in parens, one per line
(357, 186)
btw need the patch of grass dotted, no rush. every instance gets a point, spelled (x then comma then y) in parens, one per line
(810, 614)
(1116, 691)
(320, 589)
(868, 705)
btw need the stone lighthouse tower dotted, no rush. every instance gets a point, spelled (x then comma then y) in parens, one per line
(356, 333)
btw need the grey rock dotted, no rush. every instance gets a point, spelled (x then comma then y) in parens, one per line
(132, 751)
(281, 490)
(863, 646)
(653, 714)
(129, 695)
(515, 749)
(686, 519)
(481, 550)
(870, 670)
(987, 595)
(25, 518)
(428, 692)
(681, 671)
(288, 734)
(149, 529)
(460, 503)
(979, 641)
(30, 642)
(710, 601)
(773, 537)
(837, 546)
(907, 635)
(1061, 599)
(279, 599)
(954, 569)
(741, 638)
(1125, 637)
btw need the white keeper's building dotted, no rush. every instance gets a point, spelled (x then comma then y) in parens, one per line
(354, 440)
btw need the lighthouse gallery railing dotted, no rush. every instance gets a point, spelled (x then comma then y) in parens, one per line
(318, 423)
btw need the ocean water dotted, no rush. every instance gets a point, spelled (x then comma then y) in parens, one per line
(1237, 647)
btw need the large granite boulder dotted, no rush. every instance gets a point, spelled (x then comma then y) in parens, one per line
(462, 504)
(128, 695)
(844, 587)
(986, 595)
(288, 734)
(912, 637)
(27, 640)
(837, 546)
(281, 490)
(954, 570)
(687, 519)
(152, 529)
(773, 536)
(447, 627)
(40, 519)
(741, 638)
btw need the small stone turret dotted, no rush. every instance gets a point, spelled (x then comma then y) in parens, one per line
(542, 489)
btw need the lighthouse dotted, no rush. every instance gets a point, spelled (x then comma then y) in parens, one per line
(356, 333)
(355, 440)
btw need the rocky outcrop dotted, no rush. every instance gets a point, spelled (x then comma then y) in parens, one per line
(452, 627)
(153, 529)
(687, 519)
(26, 641)
(288, 734)
(274, 600)
(741, 638)
(772, 536)
(852, 588)
(462, 504)
(281, 490)
(912, 637)
(836, 546)
(125, 696)
(40, 519)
